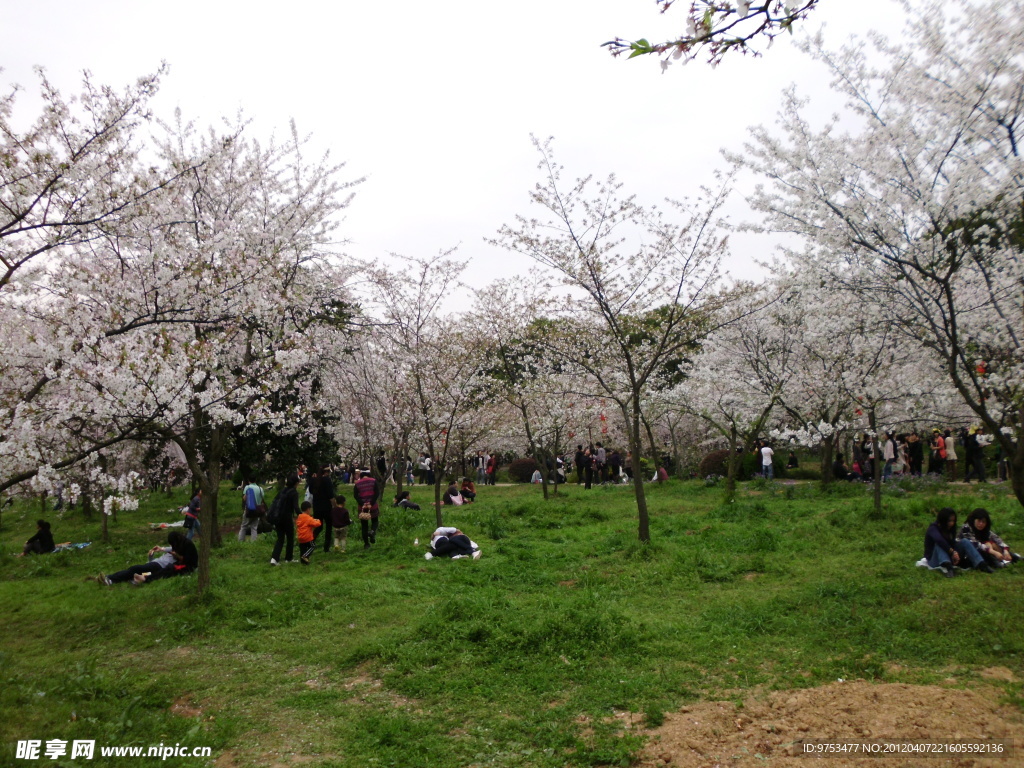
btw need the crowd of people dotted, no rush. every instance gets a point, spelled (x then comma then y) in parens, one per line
(904, 455)
(322, 518)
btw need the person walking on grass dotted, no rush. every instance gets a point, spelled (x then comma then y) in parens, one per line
(321, 489)
(341, 520)
(367, 492)
(305, 524)
(287, 504)
(253, 508)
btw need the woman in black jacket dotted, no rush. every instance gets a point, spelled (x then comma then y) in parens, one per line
(42, 542)
(287, 510)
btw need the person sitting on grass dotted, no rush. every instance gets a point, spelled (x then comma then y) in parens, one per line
(403, 500)
(179, 558)
(304, 525)
(978, 531)
(452, 497)
(453, 543)
(468, 490)
(42, 542)
(943, 551)
(840, 472)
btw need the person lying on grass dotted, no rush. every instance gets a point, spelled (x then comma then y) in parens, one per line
(978, 531)
(177, 559)
(453, 543)
(403, 500)
(944, 551)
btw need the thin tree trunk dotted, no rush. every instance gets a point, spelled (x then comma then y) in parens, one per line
(731, 466)
(437, 498)
(876, 465)
(826, 461)
(643, 526)
(543, 461)
(650, 440)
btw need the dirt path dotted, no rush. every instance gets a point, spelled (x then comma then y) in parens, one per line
(772, 730)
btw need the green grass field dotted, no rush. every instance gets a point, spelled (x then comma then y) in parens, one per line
(381, 658)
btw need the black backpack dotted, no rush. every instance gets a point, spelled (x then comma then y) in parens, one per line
(275, 511)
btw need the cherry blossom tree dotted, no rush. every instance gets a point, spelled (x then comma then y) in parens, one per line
(718, 27)
(918, 206)
(524, 371)
(445, 378)
(643, 288)
(201, 315)
(73, 176)
(734, 384)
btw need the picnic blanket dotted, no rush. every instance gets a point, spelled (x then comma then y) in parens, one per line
(67, 545)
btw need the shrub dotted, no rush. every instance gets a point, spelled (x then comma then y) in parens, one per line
(714, 464)
(803, 473)
(521, 470)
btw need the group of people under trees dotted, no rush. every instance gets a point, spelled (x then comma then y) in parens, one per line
(904, 455)
(974, 545)
(596, 464)
(323, 512)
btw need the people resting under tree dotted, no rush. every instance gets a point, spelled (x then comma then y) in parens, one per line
(978, 531)
(179, 558)
(42, 542)
(452, 543)
(452, 497)
(943, 551)
(403, 500)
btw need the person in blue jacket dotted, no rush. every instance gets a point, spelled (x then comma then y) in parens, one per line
(944, 551)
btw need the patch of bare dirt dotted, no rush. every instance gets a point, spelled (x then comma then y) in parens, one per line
(771, 730)
(998, 673)
(182, 707)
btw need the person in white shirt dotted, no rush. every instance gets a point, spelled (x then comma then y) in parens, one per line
(767, 467)
(453, 543)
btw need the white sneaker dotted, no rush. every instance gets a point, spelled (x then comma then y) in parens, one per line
(274, 562)
(476, 554)
(428, 556)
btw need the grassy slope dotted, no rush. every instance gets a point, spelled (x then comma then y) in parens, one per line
(518, 659)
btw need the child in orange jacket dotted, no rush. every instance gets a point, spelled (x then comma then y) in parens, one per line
(304, 525)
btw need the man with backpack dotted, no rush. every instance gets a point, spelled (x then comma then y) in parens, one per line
(253, 508)
(282, 515)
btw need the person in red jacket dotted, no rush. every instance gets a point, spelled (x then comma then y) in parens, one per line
(304, 525)
(367, 493)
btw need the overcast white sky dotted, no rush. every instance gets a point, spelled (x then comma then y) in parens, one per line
(435, 101)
